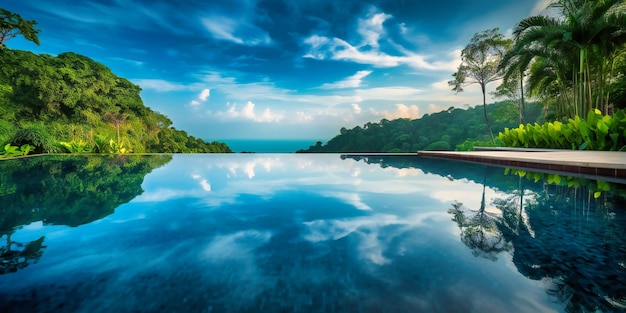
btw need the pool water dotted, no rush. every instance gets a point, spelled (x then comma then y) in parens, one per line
(305, 233)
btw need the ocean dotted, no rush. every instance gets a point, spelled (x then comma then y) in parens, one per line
(269, 145)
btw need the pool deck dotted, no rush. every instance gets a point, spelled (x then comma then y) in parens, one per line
(601, 165)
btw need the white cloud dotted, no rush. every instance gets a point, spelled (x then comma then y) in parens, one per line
(128, 61)
(205, 185)
(393, 93)
(441, 85)
(371, 29)
(367, 50)
(237, 31)
(433, 108)
(159, 85)
(353, 199)
(353, 81)
(302, 117)
(401, 111)
(322, 48)
(540, 7)
(356, 108)
(204, 95)
(247, 112)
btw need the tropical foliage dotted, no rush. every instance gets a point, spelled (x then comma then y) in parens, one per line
(70, 103)
(574, 59)
(459, 129)
(596, 132)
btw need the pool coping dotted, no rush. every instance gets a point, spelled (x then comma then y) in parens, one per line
(597, 165)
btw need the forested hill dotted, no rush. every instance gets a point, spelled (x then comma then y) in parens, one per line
(452, 129)
(70, 103)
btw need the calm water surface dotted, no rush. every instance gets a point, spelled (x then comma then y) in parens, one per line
(305, 233)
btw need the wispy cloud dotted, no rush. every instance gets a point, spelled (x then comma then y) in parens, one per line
(128, 61)
(160, 85)
(353, 81)
(371, 28)
(240, 32)
(540, 7)
(368, 50)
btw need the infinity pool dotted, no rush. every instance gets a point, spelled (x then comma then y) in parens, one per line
(305, 233)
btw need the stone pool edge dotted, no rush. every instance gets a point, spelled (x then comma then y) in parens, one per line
(597, 165)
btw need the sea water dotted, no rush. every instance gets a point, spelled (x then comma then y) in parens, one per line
(269, 145)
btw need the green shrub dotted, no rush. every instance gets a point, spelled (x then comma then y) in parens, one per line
(469, 144)
(438, 145)
(7, 129)
(37, 137)
(596, 132)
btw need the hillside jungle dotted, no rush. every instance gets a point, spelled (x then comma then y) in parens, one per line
(70, 103)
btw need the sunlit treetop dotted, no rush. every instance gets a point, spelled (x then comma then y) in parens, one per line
(12, 24)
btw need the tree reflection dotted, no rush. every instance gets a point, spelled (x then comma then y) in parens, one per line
(479, 230)
(563, 231)
(15, 255)
(569, 238)
(63, 190)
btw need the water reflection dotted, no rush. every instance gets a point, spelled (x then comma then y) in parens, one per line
(61, 190)
(566, 232)
(479, 229)
(307, 233)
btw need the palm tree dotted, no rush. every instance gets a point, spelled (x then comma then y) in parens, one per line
(587, 38)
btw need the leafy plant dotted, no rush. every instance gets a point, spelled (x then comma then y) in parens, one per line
(596, 132)
(100, 144)
(118, 148)
(77, 146)
(13, 151)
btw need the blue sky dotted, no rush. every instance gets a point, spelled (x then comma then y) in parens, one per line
(284, 69)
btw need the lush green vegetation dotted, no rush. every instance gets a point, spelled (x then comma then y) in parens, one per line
(576, 64)
(575, 61)
(70, 103)
(447, 130)
(596, 132)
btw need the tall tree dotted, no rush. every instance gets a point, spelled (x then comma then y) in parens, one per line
(587, 36)
(12, 24)
(117, 120)
(480, 59)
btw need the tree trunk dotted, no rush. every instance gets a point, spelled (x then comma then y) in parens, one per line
(521, 107)
(493, 140)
